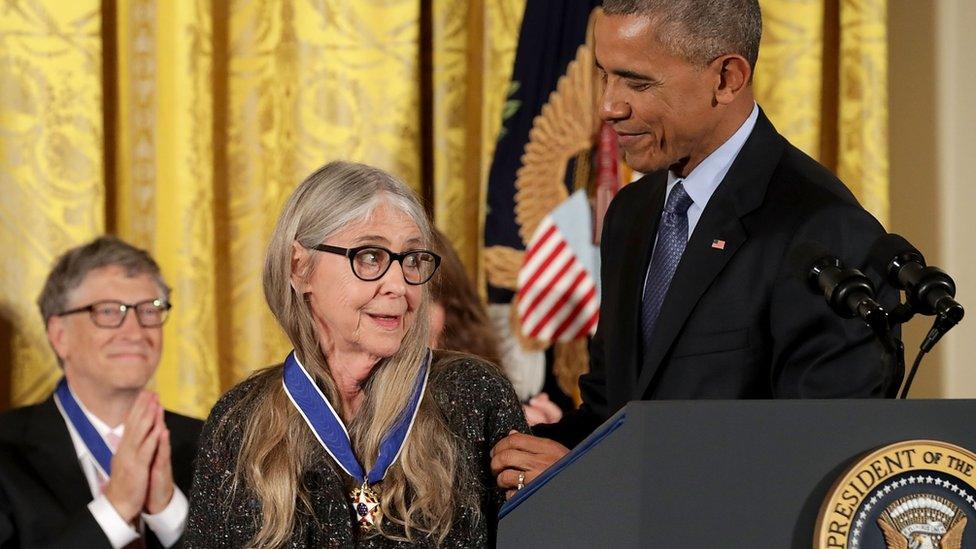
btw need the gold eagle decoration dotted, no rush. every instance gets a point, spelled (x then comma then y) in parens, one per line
(895, 539)
(567, 127)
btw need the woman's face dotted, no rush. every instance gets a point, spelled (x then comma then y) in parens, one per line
(356, 316)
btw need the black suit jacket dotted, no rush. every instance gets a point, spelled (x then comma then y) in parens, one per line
(43, 490)
(738, 321)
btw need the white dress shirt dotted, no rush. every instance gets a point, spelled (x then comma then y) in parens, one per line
(706, 177)
(167, 524)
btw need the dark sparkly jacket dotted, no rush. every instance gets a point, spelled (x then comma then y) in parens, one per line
(478, 404)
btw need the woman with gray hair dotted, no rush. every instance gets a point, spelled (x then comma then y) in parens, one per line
(364, 436)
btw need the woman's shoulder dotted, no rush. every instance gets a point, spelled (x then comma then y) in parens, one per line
(476, 398)
(468, 381)
(453, 368)
(237, 403)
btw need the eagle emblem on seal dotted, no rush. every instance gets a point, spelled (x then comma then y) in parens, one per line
(922, 521)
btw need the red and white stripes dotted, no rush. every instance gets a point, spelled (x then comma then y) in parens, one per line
(557, 297)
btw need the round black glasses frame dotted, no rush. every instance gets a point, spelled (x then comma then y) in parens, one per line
(352, 252)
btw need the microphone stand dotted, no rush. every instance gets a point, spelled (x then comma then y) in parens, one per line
(901, 314)
(944, 321)
(893, 347)
(897, 316)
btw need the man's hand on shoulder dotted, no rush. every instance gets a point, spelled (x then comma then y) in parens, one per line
(520, 458)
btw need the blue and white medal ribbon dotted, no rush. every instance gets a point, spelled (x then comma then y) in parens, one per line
(328, 428)
(89, 435)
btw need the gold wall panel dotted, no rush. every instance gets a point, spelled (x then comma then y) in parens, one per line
(184, 239)
(307, 82)
(134, 140)
(474, 47)
(862, 128)
(822, 80)
(52, 194)
(788, 76)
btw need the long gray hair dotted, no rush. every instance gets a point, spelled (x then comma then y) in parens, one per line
(277, 444)
(329, 199)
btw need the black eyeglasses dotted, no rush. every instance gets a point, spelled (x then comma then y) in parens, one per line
(111, 314)
(371, 262)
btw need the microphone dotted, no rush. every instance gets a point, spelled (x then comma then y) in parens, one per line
(928, 290)
(847, 291)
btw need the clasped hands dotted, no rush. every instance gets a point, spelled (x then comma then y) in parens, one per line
(519, 458)
(142, 475)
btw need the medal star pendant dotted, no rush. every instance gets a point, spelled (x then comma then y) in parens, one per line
(366, 505)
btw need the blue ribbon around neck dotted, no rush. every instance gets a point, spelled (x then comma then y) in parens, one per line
(89, 435)
(328, 428)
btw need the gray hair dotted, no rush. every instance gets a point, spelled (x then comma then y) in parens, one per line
(328, 200)
(74, 265)
(700, 30)
(414, 494)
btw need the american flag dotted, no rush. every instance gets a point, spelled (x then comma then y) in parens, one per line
(558, 284)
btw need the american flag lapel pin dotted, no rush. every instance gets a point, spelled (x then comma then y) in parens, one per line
(718, 244)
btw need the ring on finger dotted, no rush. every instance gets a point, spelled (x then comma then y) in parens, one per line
(521, 481)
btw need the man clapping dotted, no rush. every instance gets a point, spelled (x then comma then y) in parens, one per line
(99, 463)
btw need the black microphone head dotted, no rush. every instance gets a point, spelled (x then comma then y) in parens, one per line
(889, 254)
(807, 260)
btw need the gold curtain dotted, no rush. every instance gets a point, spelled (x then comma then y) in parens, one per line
(822, 79)
(52, 192)
(182, 125)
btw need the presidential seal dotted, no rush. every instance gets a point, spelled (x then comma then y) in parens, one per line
(918, 494)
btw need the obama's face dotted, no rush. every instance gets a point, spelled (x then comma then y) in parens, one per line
(661, 106)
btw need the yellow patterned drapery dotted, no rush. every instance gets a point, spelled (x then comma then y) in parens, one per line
(182, 125)
(52, 193)
(822, 79)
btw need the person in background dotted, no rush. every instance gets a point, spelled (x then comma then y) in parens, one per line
(363, 437)
(459, 322)
(99, 463)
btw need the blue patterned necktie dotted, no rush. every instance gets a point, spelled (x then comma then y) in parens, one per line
(672, 236)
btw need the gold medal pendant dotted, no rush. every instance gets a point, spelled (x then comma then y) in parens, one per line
(328, 428)
(366, 505)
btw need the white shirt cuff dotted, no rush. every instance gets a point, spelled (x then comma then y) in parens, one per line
(119, 532)
(168, 524)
